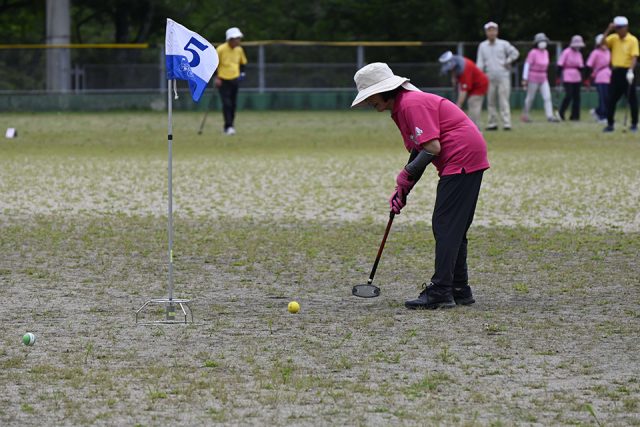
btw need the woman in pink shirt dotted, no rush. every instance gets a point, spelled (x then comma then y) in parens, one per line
(434, 130)
(599, 61)
(534, 78)
(570, 65)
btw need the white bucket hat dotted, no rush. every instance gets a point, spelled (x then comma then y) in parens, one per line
(576, 41)
(540, 37)
(375, 78)
(234, 33)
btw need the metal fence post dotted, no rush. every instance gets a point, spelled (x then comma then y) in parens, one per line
(359, 57)
(76, 78)
(161, 64)
(58, 32)
(261, 70)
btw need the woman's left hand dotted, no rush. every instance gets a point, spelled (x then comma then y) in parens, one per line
(404, 185)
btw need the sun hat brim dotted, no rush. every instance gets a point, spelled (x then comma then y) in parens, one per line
(383, 86)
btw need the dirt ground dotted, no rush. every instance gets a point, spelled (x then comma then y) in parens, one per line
(547, 337)
(552, 339)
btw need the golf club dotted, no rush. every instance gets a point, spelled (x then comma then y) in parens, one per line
(368, 290)
(204, 119)
(626, 109)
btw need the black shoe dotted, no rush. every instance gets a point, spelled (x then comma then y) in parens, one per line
(432, 297)
(507, 128)
(491, 128)
(463, 295)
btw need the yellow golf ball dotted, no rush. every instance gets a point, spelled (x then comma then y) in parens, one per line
(293, 307)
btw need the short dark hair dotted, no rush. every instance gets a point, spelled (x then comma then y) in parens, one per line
(391, 93)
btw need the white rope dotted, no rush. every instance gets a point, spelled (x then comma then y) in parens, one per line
(175, 90)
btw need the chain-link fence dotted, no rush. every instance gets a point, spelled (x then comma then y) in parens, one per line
(25, 69)
(273, 66)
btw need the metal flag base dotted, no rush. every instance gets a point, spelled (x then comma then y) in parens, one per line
(176, 311)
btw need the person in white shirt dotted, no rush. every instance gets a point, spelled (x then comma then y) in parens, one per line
(495, 58)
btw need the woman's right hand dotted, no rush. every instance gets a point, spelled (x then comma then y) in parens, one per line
(525, 84)
(218, 82)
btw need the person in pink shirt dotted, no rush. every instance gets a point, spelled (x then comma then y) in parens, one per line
(534, 78)
(599, 61)
(434, 130)
(570, 65)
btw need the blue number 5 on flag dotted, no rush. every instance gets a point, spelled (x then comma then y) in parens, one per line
(182, 43)
(196, 58)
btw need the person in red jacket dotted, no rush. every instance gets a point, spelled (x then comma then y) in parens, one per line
(471, 82)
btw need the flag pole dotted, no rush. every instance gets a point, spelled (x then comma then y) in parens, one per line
(198, 74)
(171, 304)
(171, 312)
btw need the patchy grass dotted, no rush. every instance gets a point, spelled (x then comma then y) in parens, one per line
(293, 209)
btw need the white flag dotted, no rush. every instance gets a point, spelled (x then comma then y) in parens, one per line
(189, 57)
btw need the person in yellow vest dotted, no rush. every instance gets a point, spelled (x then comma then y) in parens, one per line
(229, 75)
(624, 58)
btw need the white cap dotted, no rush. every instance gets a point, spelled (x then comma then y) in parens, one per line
(620, 21)
(447, 61)
(445, 57)
(234, 33)
(490, 24)
(377, 78)
(599, 38)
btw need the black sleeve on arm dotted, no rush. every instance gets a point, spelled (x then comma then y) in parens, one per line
(413, 155)
(418, 162)
(242, 67)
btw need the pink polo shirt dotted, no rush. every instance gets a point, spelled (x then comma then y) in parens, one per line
(571, 61)
(538, 60)
(422, 117)
(599, 61)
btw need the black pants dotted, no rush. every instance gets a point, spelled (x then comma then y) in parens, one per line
(618, 87)
(603, 100)
(571, 95)
(229, 95)
(455, 206)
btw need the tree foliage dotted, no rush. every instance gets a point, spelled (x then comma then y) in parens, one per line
(95, 21)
